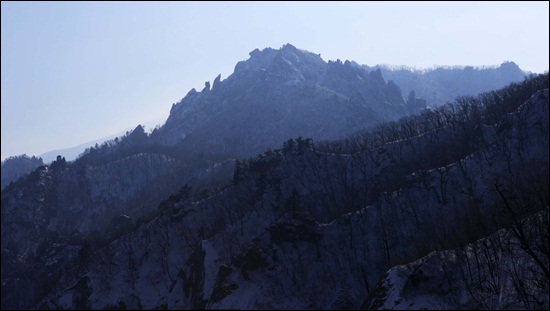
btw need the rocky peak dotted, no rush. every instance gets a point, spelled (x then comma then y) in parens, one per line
(394, 92)
(289, 47)
(509, 65)
(377, 76)
(258, 60)
(216, 83)
(414, 104)
(283, 81)
(511, 71)
(287, 58)
(137, 136)
(206, 87)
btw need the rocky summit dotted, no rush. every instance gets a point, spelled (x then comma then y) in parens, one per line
(278, 94)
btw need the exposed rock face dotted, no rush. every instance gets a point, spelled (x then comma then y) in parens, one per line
(277, 94)
(206, 87)
(415, 105)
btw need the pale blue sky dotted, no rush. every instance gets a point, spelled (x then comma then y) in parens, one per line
(73, 72)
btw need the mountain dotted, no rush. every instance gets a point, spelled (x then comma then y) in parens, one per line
(268, 98)
(305, 226)
(278, 94)
(70, 154)
(491, 273)
(17, 166)
(441, 85)
(184, 218)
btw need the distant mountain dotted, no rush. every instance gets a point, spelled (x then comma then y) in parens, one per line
(72, 153)
(441, 85)
(291, 92)
(17, 166)
(278, 94)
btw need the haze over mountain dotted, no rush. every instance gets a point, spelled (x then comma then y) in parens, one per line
(231, 204)
(290, 92)
(278, 94)
(441, 85)
(17, 166)
(70, 154)
(120, 63)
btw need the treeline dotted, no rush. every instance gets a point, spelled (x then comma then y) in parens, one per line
(423, 171)
(137, 142)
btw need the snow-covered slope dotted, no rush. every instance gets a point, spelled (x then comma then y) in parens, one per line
(500, 271)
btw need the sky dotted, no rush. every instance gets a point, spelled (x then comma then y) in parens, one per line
(73, 72)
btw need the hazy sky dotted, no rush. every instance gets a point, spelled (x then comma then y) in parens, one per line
(73, 72)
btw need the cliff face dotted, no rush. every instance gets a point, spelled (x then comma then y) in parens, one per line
(278, 94)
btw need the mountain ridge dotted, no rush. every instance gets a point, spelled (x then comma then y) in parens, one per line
(284, 82)
(264, 230)
(188, 212)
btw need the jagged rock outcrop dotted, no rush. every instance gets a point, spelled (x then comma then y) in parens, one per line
(414, 104)
(277, 94)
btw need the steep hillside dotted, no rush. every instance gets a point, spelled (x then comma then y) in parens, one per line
(161, 213)
(274, 95)
(506, 270)
(114, 187)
